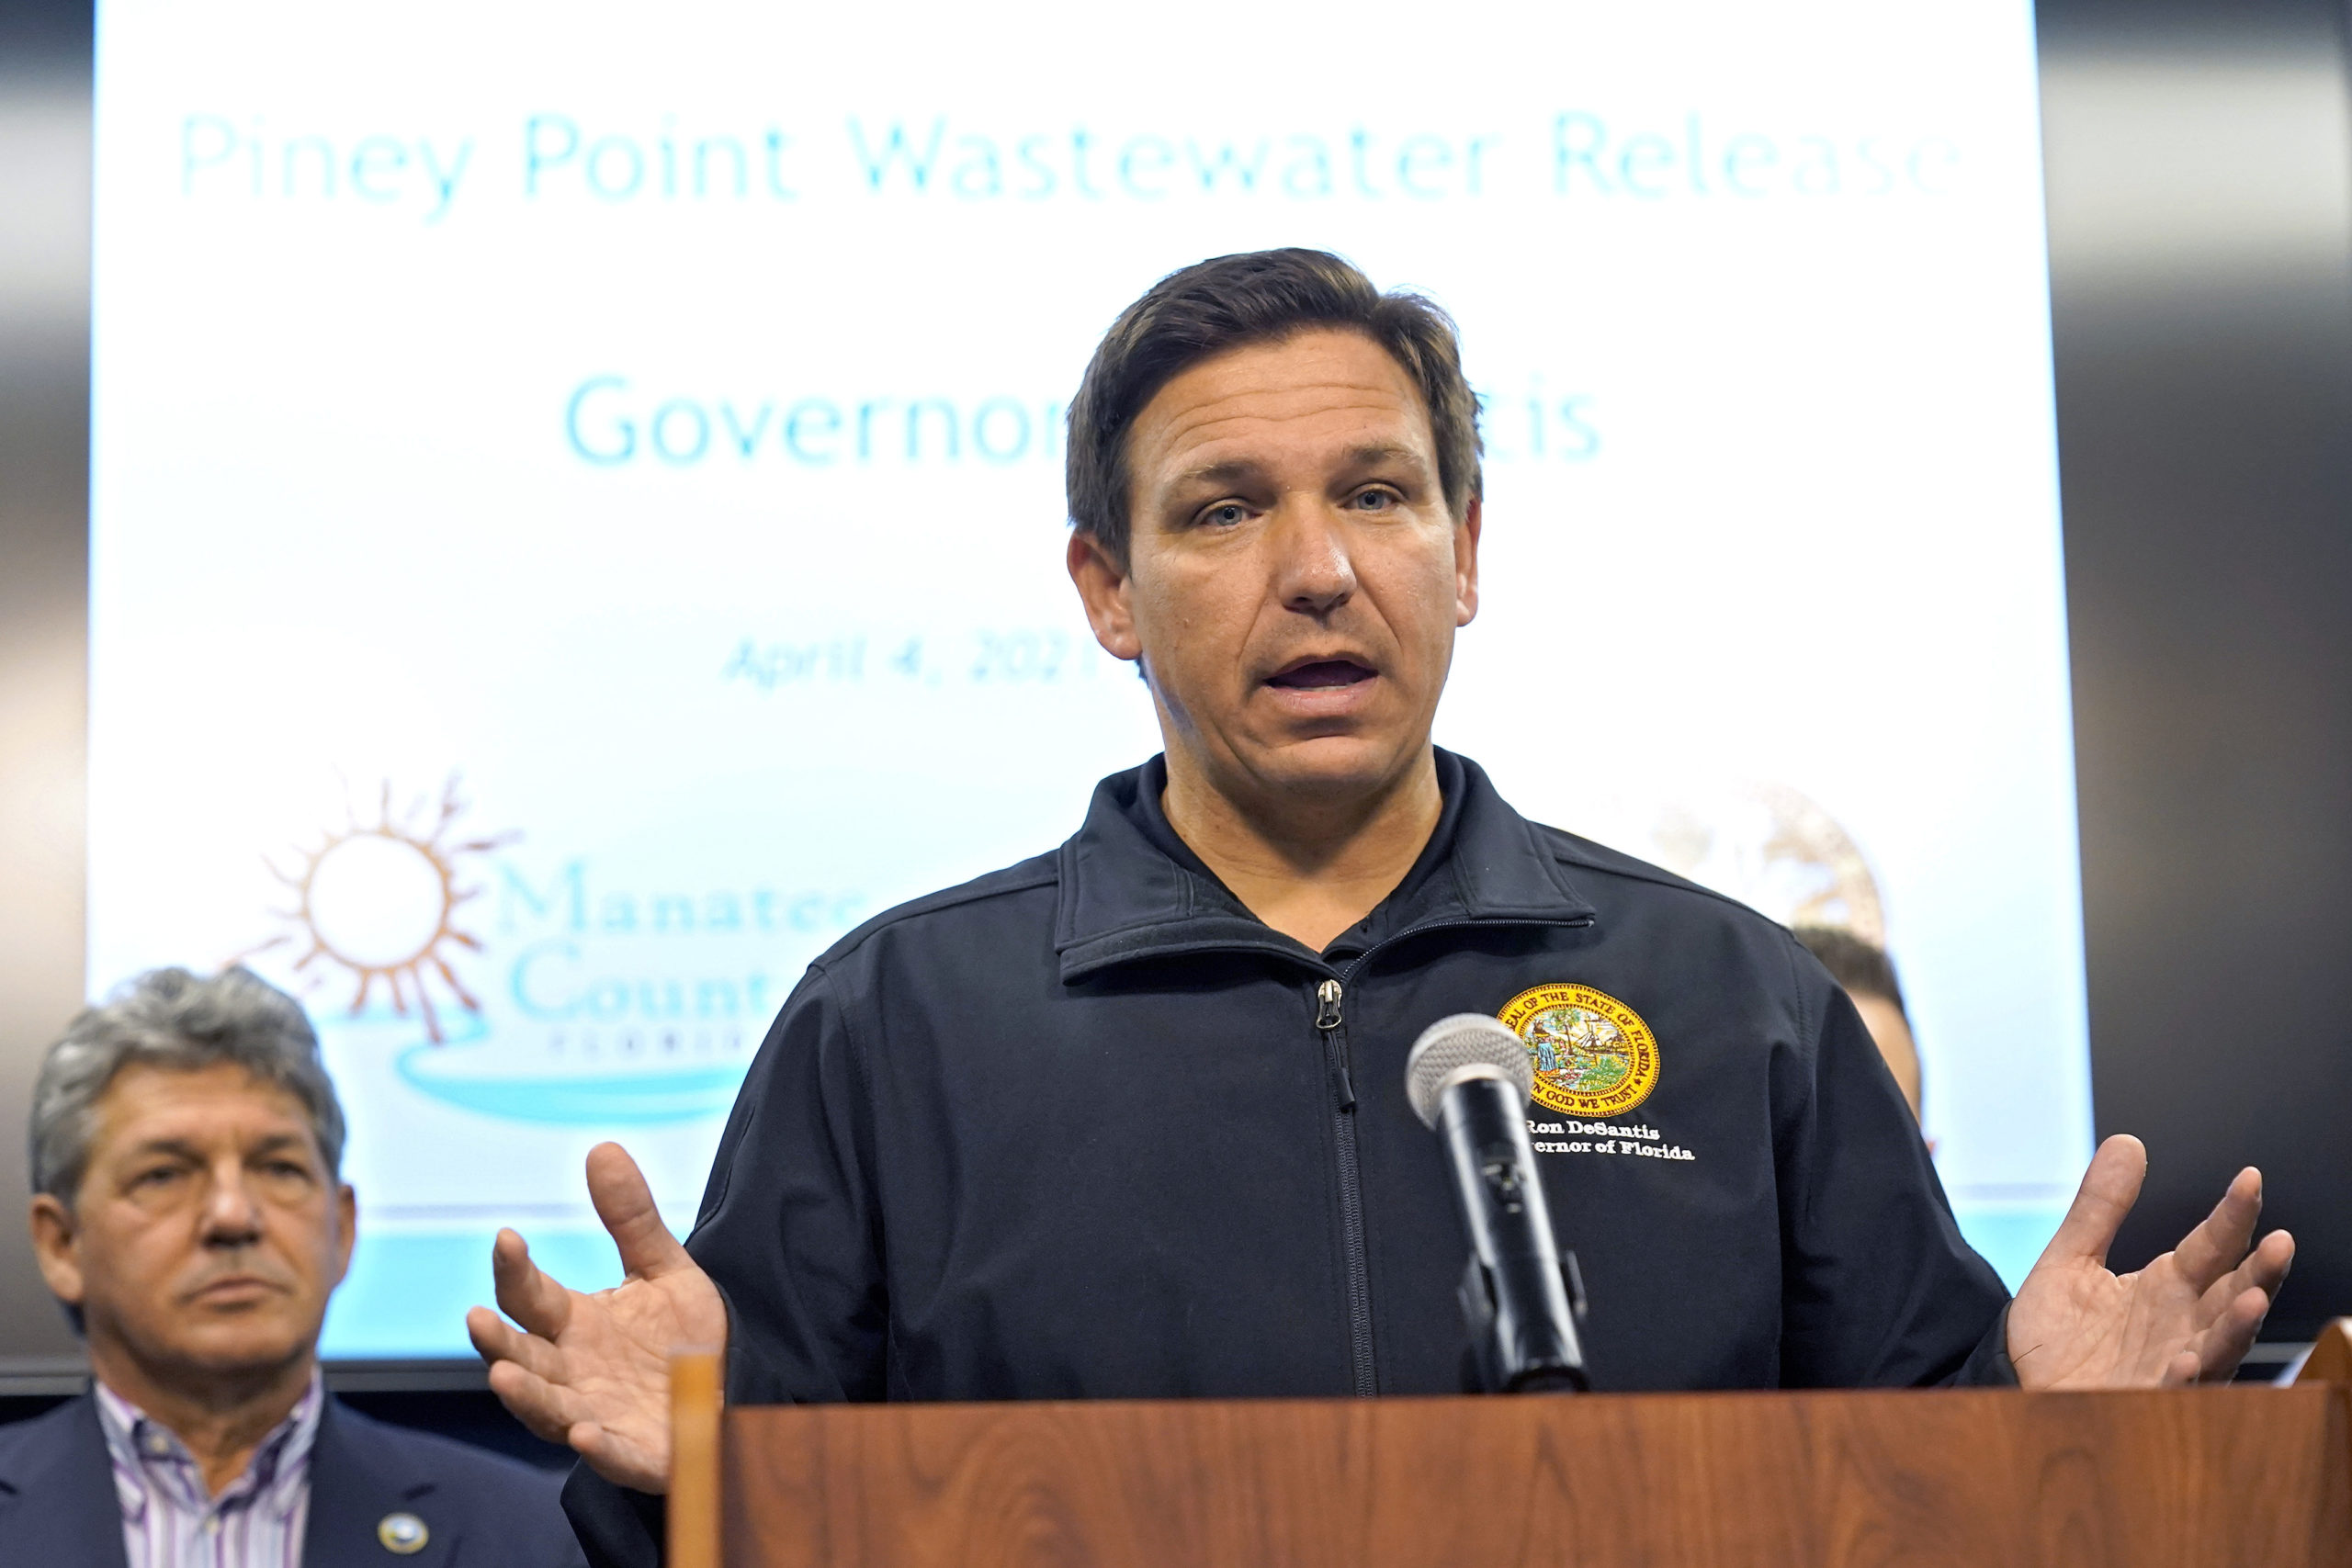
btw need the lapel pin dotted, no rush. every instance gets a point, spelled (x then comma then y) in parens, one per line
(403, 1533)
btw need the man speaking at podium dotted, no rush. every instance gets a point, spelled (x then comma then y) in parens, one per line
(1128, 1119)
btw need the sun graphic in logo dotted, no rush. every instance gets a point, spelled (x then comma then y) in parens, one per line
(380, 899)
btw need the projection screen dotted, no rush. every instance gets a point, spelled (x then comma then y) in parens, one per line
(577, 514)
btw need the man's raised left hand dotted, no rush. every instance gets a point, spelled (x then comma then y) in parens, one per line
(2190, 1317)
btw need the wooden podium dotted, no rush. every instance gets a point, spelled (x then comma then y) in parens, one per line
(2248, 1475)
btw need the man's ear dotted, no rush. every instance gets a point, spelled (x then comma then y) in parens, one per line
(1465, 562)
(346, 1208)
(1103, 587)
(61, 1263)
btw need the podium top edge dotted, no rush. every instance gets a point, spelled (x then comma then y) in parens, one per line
(1455, 1403)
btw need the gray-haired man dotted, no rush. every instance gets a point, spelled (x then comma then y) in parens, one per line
(189, 1214)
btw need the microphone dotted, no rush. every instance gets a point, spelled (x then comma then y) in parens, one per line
(1468, 1078)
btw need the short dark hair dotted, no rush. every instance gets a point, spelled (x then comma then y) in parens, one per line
(1861, 968)
(1230, 302)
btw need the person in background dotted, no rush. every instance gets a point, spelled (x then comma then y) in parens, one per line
(189, 1214)
(1868, 977)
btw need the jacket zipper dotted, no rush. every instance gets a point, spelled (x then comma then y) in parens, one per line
(1330, 1022)
(1328, 998)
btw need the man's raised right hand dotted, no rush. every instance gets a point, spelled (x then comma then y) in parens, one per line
(594, 1371)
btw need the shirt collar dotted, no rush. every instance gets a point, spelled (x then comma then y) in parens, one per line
(1132, 890)
(147, 1454)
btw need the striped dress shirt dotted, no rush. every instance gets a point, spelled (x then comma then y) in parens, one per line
(170, 1521)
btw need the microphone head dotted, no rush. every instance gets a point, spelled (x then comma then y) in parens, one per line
(1468, 1044)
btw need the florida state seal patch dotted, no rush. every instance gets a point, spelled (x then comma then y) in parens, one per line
(1592, 1055)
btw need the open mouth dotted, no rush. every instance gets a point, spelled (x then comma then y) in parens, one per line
(1321, 674)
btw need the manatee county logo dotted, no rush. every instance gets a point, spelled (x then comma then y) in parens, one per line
(1593, 1055)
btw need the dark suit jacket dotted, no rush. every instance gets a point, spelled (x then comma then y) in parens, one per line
(481, 1511)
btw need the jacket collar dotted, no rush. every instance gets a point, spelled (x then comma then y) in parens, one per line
(64, 1507)
(359, 1477)
(1124, 900)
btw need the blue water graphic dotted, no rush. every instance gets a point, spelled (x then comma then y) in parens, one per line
(639, 1097)
(635, 1100)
